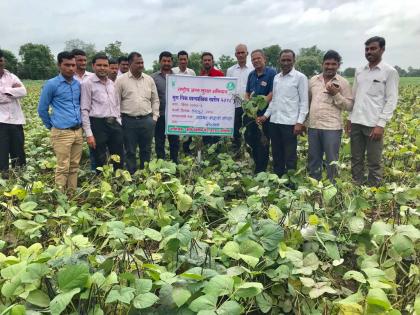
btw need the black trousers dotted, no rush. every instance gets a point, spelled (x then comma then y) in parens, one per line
(160, 139)
(260, 149)
(11, 144)
(138, 132)
(108, 138)
(283, 148)
(236, 126)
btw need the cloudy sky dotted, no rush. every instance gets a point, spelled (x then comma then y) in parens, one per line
(150, 26)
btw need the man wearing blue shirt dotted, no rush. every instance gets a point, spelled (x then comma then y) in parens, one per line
(260, 82)
(62, 93)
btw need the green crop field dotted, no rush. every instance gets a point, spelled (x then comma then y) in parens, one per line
(209, 237)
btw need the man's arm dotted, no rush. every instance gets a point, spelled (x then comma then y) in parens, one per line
(154, 101)
(86, 106)
(17, 90)
(342, 96)
(303, 99)
(44, 104)
(391, 96)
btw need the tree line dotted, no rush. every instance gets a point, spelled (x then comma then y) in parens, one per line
(36, 62)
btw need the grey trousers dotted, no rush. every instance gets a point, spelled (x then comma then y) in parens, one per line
(361, 145)
(322, 142)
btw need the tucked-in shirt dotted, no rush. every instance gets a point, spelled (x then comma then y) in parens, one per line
(64, 98)
(325, 110)
(375, 93)
(290, 99)
(84, 77)
(160, 81)
(261, 84)
(10, 109)
(213, 72)
(98, 100)
(242, 74)
(187, 71)
(137, 96)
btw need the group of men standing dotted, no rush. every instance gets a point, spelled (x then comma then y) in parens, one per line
(120, 109)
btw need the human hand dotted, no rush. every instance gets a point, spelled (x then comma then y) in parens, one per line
(376, 133)
(91, 142)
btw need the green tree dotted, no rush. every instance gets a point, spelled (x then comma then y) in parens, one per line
(194, 62)
(309, 61)
(349, 72)
(113, 50)
(37, 62)
(272, 54)
(225, 62)
(401, 72)
(88, 48)
(11, 61)
(156, 64)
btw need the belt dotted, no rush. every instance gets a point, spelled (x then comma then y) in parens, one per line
(108, 120)
(76, 127)
(136, 117)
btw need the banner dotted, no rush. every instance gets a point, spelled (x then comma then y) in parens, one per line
(200, 105)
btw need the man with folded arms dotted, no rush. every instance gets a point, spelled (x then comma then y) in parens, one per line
(62, 93)
(101, 114)
(11, 120)
(139, 104)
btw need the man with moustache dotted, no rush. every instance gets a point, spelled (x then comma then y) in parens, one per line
(375, 91)
(260, 82)
(81, 73)
(139, 102)
(241, 71)
(329, 95)
(62, 94)
(287, 112)
(101, 114)
(165, 60)
(113, 70)
(183, 64)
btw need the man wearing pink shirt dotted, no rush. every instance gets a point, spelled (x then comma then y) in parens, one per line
(11, 120)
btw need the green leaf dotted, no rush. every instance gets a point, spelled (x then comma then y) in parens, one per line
(380, 228)
(60, 302)
(145, 300)
(356, 225)
(180, 295)
(355, 275)
(122, 294)
(18, 310)
(307, 282)
(219, 285)
(248, 289)
(183, 202)
(409, 231)
(38, 298)
(377, 297)
(73, 276)
(204, 302)
(231, 249)
(143, 285)
(153, 234)
(328, 193)
(402, 245)
(264, 302)
(270, 234)
(417, 304)
(332, 250)
(319, 289)
(13, 270)
(230, 308)
(28, 206)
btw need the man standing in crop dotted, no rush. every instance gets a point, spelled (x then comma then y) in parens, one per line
(260, 82)
(139, 103)
(101, 114)
(241, 71)
(375, 91)
(11, 120)
(330, 95)
(287, 112)
(165, 60)
(62, 94)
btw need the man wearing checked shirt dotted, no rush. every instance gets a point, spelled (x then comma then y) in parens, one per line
(62, 93)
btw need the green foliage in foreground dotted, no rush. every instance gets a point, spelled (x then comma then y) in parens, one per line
(211, 238)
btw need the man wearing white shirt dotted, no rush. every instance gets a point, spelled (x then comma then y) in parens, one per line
(287, 112)
(240, 71)
(81, 74)
(375, 91)
(182, 65)
(11, 120)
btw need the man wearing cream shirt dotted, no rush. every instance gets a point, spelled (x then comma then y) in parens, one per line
(139, 103)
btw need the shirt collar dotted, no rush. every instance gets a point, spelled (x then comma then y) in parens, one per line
(96, 78)
(379, 65)
(130, 75)
(63, 79)
(291, 73)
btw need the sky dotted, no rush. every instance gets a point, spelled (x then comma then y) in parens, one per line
(151, 26)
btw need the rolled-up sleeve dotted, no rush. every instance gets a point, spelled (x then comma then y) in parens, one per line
(391, 96)
(344, 98)
(16, 92)
(44, 104)
(303, 99)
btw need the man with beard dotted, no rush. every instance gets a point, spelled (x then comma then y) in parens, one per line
(165, 60)
(183, 64)
(375, 91)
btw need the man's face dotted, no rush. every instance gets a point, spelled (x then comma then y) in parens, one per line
(241, 53)
(113, 71)
(166, 64)
(258, 60)
(183, 61)
(137, 65)
(330, 67)
(2, 64)
(101, 68)
(67, 67)
(286, 61)
(81, 62)
(373, 52)
(207, 62)
(124, 66)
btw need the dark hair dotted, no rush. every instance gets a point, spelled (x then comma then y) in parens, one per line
(1, 53)
(378, 39)
(332, 54)
(99, 56)
(64, 55)
(131, 56)
(122, 58)
(78, 52)
(113, 61)
(260, 51)
(288, 51)
(182, 53)
(165, 54)
(206, 53)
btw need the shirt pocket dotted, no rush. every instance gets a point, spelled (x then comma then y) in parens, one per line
(377, 88)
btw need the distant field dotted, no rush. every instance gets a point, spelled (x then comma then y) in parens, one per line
(404, 81)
